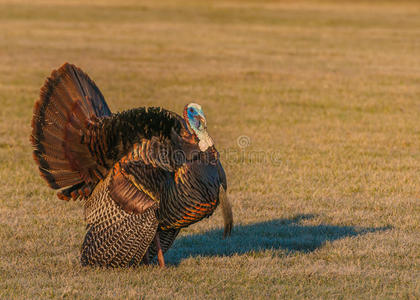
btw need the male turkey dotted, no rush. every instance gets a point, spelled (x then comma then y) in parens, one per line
(142, 174)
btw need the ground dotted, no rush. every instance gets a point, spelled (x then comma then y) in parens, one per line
(313, 105)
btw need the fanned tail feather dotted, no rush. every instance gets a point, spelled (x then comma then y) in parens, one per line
(69, 103)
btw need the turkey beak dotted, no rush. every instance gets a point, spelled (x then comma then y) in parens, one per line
(202, 121)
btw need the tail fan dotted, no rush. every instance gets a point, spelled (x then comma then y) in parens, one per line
(69, 103)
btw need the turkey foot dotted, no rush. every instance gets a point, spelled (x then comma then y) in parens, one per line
(159, 251)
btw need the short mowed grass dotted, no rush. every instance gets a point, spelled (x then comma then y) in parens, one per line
(325, 196)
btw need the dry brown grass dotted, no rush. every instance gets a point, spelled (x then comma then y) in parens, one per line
(333, 89)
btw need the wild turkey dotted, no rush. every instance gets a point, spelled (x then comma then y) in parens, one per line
(142, 174)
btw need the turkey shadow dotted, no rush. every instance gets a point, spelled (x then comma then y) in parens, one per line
(286, 234)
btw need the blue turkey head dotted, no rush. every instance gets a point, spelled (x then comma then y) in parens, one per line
(197, 124)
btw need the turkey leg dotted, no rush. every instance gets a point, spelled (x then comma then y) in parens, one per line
(159, 251)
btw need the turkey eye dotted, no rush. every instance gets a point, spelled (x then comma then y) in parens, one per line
(191, 110)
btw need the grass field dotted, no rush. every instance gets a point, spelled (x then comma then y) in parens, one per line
(330, 90)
